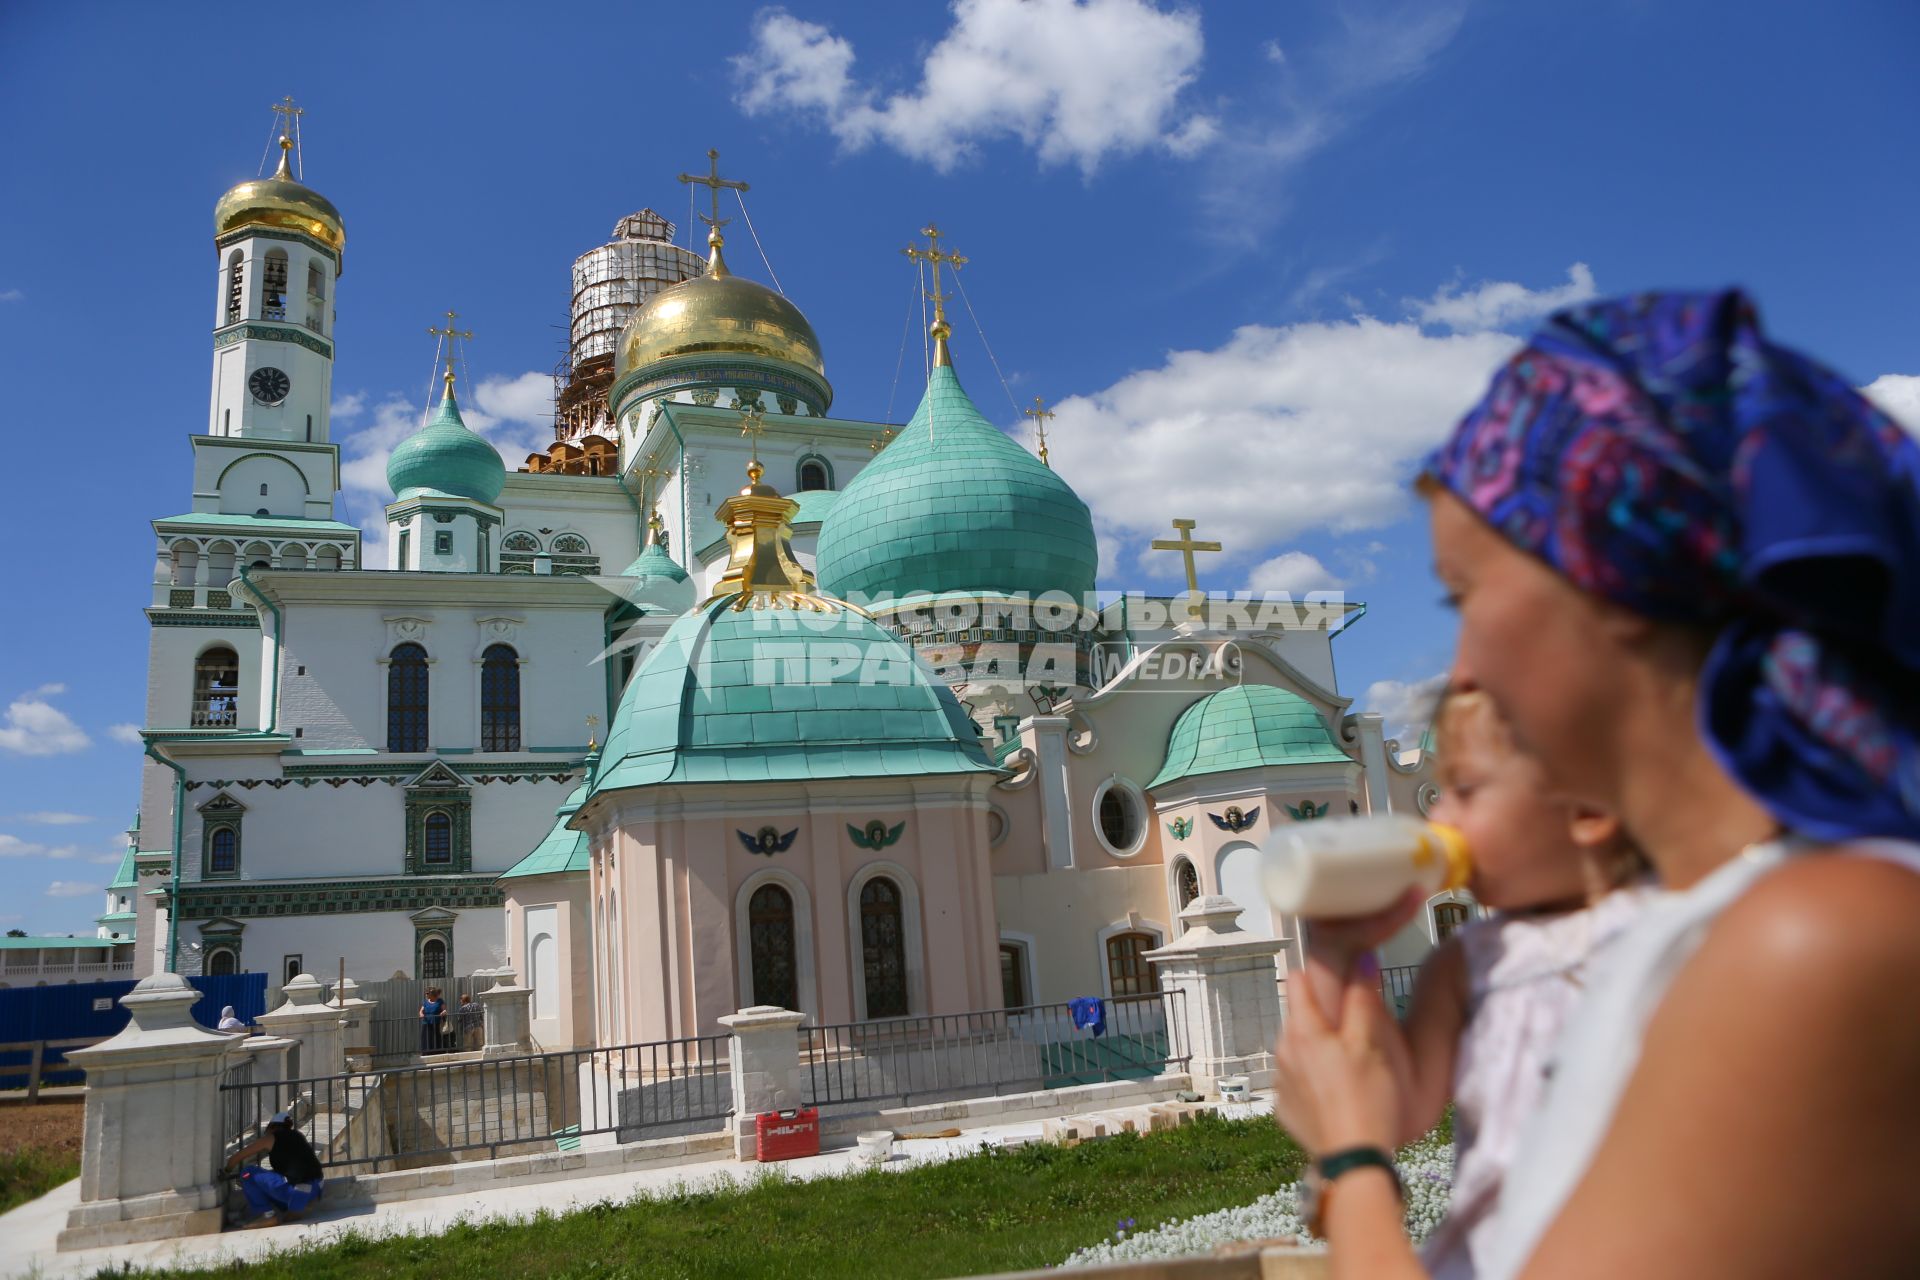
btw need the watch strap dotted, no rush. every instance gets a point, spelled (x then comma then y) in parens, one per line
(1335, 1163)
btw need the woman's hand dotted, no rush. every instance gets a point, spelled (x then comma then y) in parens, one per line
(1341, 1085)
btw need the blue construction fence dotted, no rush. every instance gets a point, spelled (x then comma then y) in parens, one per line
(92, 1010)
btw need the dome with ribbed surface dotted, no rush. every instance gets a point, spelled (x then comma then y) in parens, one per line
(446, 457)
(954, 505)
(1247, 727)
(281, 203)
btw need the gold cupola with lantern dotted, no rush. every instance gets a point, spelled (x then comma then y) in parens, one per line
(721, 332)
(280, 202)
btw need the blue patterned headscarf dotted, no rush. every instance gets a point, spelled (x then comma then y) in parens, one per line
(1661, 453)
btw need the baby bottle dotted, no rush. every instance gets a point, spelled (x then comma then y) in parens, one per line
(1357, 866)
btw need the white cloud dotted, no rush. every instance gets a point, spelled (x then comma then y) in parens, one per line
(1499, 304)
(127, 733)
(35, 727)
(1076, 80)
(14, 847)
(1294, 572)
(349, 406)
(1897, 394)
(72, 889)
(1407, 706)
(55, 818)
(12, 295)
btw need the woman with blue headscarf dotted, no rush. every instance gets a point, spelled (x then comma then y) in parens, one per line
(1687, 566)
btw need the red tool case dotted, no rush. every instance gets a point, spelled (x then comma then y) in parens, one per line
(786, 1135)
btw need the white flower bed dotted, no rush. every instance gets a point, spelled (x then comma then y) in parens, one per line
(1426, 1170)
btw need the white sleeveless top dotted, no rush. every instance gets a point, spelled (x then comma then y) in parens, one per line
(1601, 1047)
(1524, 978)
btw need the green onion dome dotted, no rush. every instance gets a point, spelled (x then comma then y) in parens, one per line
(446, 457)
(954, 505)
(1247, 727)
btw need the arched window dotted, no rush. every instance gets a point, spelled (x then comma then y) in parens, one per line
(1186, 882)
(186, 558)
(1118, 812)
(517, 550)
(220, 565)
(407, 698)
(571, 554)
(273, 286)
(223, 852)
(813, 475)
(222, 962)
(328, 559)
(500, 699)
(776, 970)
(293, 556)
(316, 295)
(1127, 973)
(236, 287)
(439, 840)
(216, 689)
(883, 949)
(259, 555)
(1448, 918)
(433, 958)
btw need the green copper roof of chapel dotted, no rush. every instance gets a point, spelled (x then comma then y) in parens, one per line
(446, 457)
(124, 878)
(779, 693)
(654, 562)
(560, 850)
(1247, 727)
(953, 504)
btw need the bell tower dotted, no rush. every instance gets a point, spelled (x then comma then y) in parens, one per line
(279, 245)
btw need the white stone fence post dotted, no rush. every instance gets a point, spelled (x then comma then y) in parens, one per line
(307, 1018)
(507, 1008)
(151, 1140)
(271, 1056)
(764, 1065)
(1229, 994)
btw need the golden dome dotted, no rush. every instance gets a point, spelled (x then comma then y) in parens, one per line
(718, 314)
(281, 202)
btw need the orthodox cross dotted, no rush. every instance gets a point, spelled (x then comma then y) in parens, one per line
(450, 333)
(753, 426)
(881, 441)
(1040, 413)
(936, 255)
(290, 124)
(592, 721)
(648, 474)
(1187, 547)
(714, 184)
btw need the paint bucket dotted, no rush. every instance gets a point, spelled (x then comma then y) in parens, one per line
(876, 1147)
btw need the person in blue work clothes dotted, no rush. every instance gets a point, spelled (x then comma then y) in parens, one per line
(283, 1192)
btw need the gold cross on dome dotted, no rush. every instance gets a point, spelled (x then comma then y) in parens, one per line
(1187, 548)
(592, 721)
(1040, 413)
(753, 427)
(450, 333)
(936, 255)
(286, 108)
(714, 184)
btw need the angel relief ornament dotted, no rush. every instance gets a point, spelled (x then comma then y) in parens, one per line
(768, 840)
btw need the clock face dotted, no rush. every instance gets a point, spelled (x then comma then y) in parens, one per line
(269, 386)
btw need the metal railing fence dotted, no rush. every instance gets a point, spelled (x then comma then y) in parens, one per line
(1001, 1051)
(397, 1033)
(238, 1123)
(438, 1112)
(1396, 987)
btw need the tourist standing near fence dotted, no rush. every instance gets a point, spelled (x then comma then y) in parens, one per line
(1687, 565)
(433, 1013)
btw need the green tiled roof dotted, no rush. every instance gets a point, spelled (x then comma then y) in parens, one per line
(654, 562)
(113, 916)
(953, 504)
(1246, 727)
(781, 693)
(814, 505)
(445, 457)
(561, 850)
(259, 522)
(123, 878)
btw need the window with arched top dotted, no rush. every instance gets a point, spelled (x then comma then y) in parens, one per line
(216, 689)
(813, 474)
(570, 544)
(571, 554)
(222, 962)
(236, 287)
(185, 558)
(1186, 880)
(273, 286)
(433, 959)
(773, 947)
(1449, 918)
(407, 698)
(223, 851)
(500, 699)
(1128, 973)
(517, 551)
(316, 295)
(437, 845)
(883, 949)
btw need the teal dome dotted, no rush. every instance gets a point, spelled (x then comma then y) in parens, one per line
(774, 692)
(562, 849)
(1247, 727)
(446, 457)
(656, 583)
(654, 562)
(953, 505)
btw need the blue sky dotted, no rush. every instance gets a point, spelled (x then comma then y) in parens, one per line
(1260, 254)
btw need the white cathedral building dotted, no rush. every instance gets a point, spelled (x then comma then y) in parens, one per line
(643, 717)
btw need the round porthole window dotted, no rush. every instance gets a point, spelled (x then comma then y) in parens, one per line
(1120, 817)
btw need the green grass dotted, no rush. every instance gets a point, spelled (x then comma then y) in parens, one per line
(997, 1211)
(30, 1173)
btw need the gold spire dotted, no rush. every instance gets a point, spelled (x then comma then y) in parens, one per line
(762, 571)
(714, 183)
(449, 333)
(1040, 413)
(939, 329)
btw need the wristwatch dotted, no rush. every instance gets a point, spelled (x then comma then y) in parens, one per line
(1321, 1174)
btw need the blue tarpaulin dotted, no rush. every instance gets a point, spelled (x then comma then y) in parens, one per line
(92, 1010)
